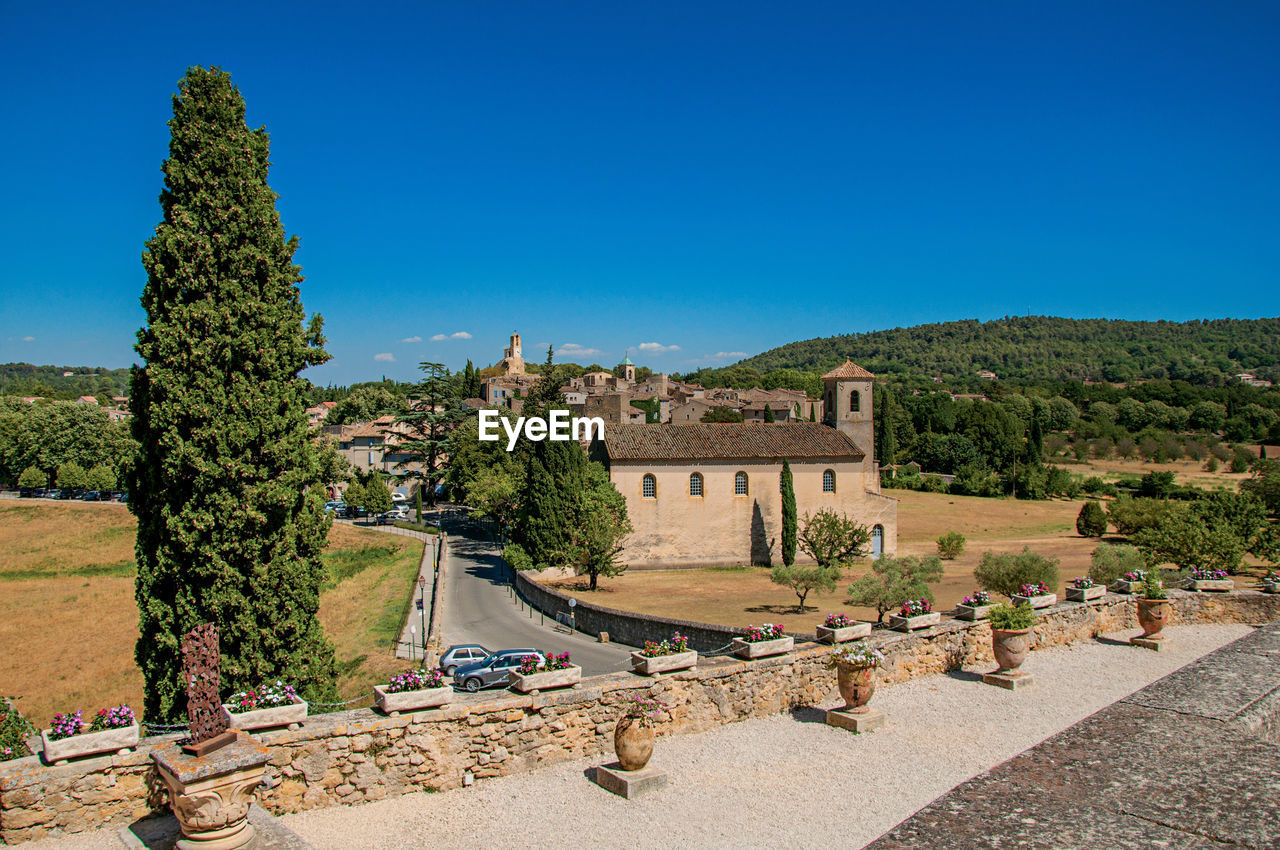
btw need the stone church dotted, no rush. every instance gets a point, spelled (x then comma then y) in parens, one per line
(710, 494)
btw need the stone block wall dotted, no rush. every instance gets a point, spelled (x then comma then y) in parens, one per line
(358, 756)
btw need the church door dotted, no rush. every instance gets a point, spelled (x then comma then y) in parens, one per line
(877, 541)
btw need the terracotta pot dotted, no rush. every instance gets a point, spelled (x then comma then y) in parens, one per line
(1153, 614)
(857, 684)
(1010, 647)
(633, 743)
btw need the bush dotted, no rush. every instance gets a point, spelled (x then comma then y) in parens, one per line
(1211, 465)
(1092, 520)
(951, 545)
(14, 730)
(32, 476)
(1130, 516)
(894, 580)
(1110, 561)
(934, 484)
(1012, 617)
(517, 558)
(1007, 573)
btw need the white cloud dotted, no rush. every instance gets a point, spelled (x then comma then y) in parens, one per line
(412, 339)
(573, 349)
(460, 335)
(657, 347)
(439, 337)
(385, 357)
(724, 354)
(28, 339)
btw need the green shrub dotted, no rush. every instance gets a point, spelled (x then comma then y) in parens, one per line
(1152, 587)
(951, 545)
(894, 580)
(517, 558)
(1012, 617)
(1110, 561)
(1130, 515)
(1007, 573)
(1092, 520)
(934, 484)
(14, 730)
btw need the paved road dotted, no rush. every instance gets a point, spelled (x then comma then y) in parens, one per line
(479, 608)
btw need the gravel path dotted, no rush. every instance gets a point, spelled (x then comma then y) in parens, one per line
(783, 781)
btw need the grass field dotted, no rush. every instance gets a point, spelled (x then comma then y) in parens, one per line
(68, 621)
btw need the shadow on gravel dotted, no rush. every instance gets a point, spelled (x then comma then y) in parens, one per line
(808, 714)
(1106, 641)
(964, 676)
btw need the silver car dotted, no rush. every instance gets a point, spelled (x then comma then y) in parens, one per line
(494, 670)
(461, 655)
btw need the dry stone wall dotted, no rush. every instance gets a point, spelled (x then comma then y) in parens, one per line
(358, 756)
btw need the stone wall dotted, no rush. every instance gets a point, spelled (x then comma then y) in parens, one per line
(359, 756)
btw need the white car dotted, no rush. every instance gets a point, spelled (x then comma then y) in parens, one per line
(399, 498)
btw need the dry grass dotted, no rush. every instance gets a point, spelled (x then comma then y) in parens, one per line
(68, 621)
(1184, 471)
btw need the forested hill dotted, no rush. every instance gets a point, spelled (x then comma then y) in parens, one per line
(53, 382)
(1038, 348)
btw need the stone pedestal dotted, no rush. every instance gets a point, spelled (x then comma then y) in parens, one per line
(630, 783)
(211, 795)
(856, 721)
(1009, 679)
(1152, 643)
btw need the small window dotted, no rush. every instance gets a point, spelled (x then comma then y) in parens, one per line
(855, 401)
(828, 481)
(649, 487)
(740, 484)
(695, 484)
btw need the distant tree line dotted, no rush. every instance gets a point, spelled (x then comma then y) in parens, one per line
(57, 443)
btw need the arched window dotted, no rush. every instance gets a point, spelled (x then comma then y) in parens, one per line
(877, 541)
(695, 484)
(740, 484)
(649, 487)
(828, 481)
(855, 401)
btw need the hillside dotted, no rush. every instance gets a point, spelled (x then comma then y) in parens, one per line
(51, 382)
(1037, 348)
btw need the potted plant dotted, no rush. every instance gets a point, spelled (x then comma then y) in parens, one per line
(838, 628)
(671, 654)
(1208, 580)
(975, 606)
(633, 735)
(112, 730)
(265, 707)
(531, 676)
(1083, 589)
(1130, 582)
(1036, 594)
(762, 641)
(1271, 582)
(855, 668)
(1153, 607)
(412, 690)
(1010, 627)
(914, 614)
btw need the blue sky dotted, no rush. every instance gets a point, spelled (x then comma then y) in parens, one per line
(690, 181)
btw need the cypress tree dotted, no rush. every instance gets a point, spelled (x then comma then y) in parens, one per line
(789, 535)
(886, 448)
(768, 413)
(1035, 443)
(226, 483)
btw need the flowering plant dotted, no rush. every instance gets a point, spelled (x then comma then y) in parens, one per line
(119, 717)
(643, 710)
(65, 725)
(1136, 575)
(14, 730)
(768, 631)
(669, 646)
(1208, 575)
(837, 621)
(977, 598)
(1038, 588)
(915, 607)
(530, 663)
(266, 696)
(1083, 583)
(415, 680)
(855, 655)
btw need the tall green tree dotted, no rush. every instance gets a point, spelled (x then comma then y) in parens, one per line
(429, 427)
(226, 483)
(768, 414)
(789, 530)
(886, 448)
(470, 387)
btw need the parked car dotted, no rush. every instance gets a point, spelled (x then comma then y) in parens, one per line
(460, 655)
(494, 670)
(31, 492)
(336, 505)
(399, 497)
(52, 493)
(90, 496)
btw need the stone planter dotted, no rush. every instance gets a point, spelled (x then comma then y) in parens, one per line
(843, 634)
(633, 743)
(119, 741)
(393, 704)
(762, 648)
(973, 612)
(856, 684)
(920, 621)
(1219, 585)
(291, 715)
(1271, 586)
(1084, 594)
(532, 683)
(1153, 614)
(1042, 601)
(1009, 647)
(646, 666)
(1123, 585)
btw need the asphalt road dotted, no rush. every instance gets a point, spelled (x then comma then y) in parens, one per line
(479, 608)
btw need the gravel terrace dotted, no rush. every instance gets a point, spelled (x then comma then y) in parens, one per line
(783, 781)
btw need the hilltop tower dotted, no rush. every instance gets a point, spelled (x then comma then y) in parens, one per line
(847, 405)
(512, 360)
(628, 370)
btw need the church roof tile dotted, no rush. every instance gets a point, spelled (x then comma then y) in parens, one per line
(728, 441)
